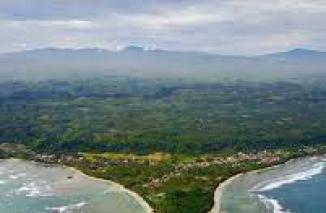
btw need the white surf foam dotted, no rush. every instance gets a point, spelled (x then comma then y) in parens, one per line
(13, 177)
(3, 182)
(16, 176)
(67, 209)
(272, 204)
(291, 178)
(33, 190)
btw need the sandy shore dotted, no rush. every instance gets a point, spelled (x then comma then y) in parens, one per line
(138, 198)
(218, 193)
(219, 190)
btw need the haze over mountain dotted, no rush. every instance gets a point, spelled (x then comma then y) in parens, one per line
(136, 61)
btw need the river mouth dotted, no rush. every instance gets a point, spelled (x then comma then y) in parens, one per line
(290, 188)
(29, 187)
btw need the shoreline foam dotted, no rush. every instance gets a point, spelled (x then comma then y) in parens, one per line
(137, 197)
(219, 191)
(279, 209)
(133, 194)
(316, 169)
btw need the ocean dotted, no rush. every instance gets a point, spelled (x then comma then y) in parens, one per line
(28, 187)
(295, 187)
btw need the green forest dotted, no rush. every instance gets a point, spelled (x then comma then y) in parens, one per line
(144, 115)
(171, 141)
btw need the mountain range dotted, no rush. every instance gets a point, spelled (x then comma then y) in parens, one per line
(55, 63)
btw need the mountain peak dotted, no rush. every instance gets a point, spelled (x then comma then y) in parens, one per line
(133, 48)
(298, 53)
(301, 50)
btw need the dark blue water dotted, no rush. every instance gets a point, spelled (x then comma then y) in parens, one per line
(296, 187)
(307, 196)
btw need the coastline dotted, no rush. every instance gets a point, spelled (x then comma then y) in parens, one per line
(219, 190)
(136, 196)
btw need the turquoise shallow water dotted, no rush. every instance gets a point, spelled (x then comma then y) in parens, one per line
(27, 187)
(296, 187)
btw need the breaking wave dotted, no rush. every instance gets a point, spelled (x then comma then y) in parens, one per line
(272, 204)
(67, 209)
(291, 178)
(16, 176)
(33, 190)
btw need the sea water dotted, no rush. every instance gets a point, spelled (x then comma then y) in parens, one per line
(28, 187)
(296, 187)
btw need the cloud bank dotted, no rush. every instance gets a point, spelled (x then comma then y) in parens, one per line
(215, 26)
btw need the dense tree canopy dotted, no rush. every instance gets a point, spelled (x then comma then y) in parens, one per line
(145, 115)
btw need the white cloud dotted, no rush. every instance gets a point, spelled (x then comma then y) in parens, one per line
(223, 26)
(174, 19)
(67, 24)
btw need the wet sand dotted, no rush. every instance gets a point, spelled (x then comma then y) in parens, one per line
(57, 187)
(218, 193)
(137, 197)
(248, 187)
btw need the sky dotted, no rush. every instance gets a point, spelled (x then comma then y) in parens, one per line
(241, 27)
